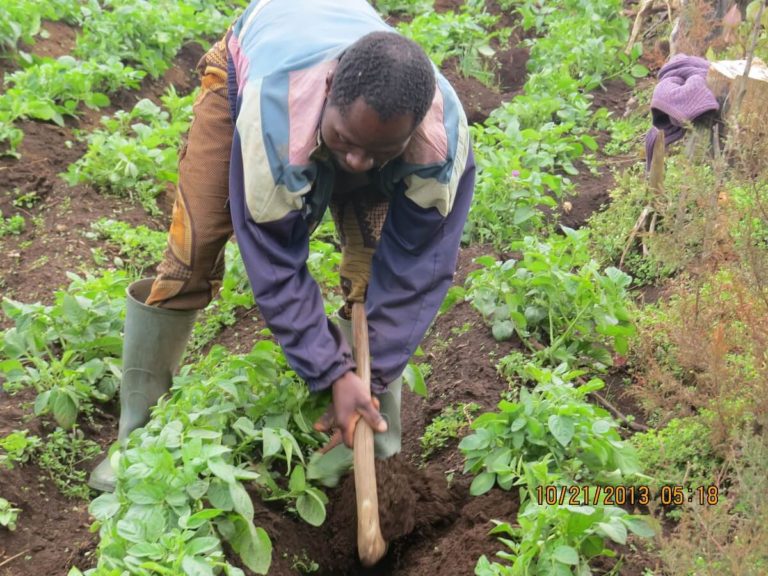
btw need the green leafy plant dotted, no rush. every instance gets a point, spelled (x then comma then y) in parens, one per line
(26, 199)
(229, 420)
(138, 247)
(555, 299)
(551, 436)
(18, 448)
(560, 540)
(52, 89)
(554, 421)
(415, 375)
(150, 34)
(627, 135)
(465, 36)
(410, 7)
(69, 352)
(678, 454)
(62, 454)
(8, 514)
(67, 388)
(9, 135)
(114, 33)
(136, 154)
(21, 20)
(446, 426)
(304, 564)
(13, 225)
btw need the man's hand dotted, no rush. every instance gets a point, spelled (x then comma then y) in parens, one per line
(350, 401)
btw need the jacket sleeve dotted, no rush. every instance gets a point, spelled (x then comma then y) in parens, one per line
(412, 270)
(275, 254)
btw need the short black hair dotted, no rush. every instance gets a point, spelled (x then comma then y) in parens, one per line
(392, 74)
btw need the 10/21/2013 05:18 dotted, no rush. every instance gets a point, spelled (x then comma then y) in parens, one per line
(620, 495)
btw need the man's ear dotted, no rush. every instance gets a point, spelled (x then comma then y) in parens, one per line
(328, 82)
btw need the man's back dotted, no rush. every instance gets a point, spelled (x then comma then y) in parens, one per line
(283, 35)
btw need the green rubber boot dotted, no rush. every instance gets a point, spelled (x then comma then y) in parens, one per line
(328, 468)
(153, 343)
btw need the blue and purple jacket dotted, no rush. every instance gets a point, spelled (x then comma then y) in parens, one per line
(279, 54)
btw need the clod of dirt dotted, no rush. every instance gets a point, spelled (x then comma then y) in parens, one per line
(410, 499)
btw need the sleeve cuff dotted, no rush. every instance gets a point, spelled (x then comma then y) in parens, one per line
(325, 380)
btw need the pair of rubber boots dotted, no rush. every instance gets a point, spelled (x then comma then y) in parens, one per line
(153, 344)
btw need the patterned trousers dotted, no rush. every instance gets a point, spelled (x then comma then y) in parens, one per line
(192, 268)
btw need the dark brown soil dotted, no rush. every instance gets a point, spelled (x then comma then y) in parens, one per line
(34, 263)
(53, 532)
(592, 190)
(432, 522)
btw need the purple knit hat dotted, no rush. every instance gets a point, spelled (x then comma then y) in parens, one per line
(681, 96)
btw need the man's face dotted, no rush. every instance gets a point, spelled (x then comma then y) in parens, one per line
(360, 140)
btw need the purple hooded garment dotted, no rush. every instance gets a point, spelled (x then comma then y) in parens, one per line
(680, 97)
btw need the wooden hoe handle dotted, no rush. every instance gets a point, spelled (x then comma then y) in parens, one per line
(371, 546)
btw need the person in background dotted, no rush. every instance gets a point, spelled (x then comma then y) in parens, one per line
(308, 105)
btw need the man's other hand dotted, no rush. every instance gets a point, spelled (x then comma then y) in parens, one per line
(350, 401)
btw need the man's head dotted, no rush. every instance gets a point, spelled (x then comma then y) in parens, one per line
(379, 93)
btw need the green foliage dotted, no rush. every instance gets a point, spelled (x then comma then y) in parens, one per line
(136, 153)
(575, 37)
(51, 89)
(577, 45)
(560, 540)
(229, 419)
(446, 426)
(26, 199)
(678, 454)
(555, 299)
(611, 227)
(465, 36)
(10, 135)
(18, 448)
(17, 22)
(66, 387)
(323, 262)
(552, 436)
(114, 32)
(67, 352)
(528, 146)
(521, 160)
(139, 248)
(554, 422)
(149, 34)
(684, 220)
(415, 376)
(61, 454)
(21, 20)
(8, 514)
(409, 7)
(303, 564)
(13, 225)
(748, 225)
(627, 134)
